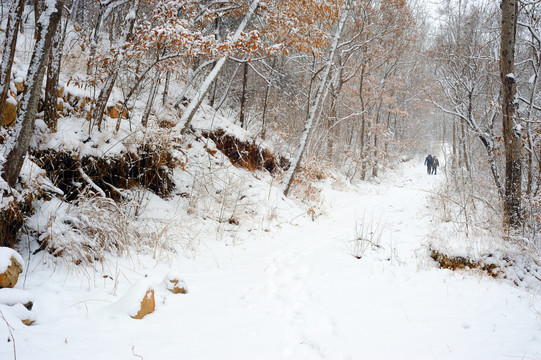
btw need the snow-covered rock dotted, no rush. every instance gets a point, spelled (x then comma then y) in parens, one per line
(138, 301)
(174, 284)
(11, 265)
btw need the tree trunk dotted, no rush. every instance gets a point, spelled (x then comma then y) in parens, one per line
(266, 101)
(264, 117)
(511, 130)
(166, 87)
(531, 146)
(531, 149)
(243, 96)
(74, 10)
(330, 120)
(464, 140)
(295, 165)
(489, 146)
(375, 162)
(103, 98)
(10, 42)
(151, 97)
(335, 90)
(454, 159)
(50, 115)
(37, 14)
(363, 124)
(112, 29)
(213, 96)
(19, 141)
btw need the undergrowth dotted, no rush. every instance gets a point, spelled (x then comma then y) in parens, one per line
(469, 234)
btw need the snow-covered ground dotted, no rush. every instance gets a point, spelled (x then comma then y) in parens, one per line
(294, 292)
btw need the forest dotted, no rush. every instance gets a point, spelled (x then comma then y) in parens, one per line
(242, 146)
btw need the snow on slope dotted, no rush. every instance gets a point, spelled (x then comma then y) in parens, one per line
(294, 292)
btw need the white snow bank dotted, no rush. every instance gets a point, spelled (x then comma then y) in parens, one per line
(72, 136)
(11, 297)
(36, 178)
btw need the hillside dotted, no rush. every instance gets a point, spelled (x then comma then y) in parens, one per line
(245, 179)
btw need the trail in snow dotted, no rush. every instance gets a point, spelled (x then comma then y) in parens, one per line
(299, 294)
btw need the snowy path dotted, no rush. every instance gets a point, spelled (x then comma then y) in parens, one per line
(300, 294)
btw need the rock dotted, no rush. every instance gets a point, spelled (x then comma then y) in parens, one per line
(138, 301)
(11, 265)
(9, 278)
(178, 287)
(7, 118)
(28, 322)
(29, 305)
(148, 305)
(175, 285)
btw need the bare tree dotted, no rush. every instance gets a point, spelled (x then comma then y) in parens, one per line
(194, 105)
(512, 134)
(465, 69)
(17, 145)
(10, 42)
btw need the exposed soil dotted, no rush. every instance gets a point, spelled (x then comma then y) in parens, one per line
(247, 155)
(149, 168)
(462, 263)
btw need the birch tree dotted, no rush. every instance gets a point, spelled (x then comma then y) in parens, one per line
(296, 161)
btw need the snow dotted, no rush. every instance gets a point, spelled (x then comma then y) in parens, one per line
(11, 100)
(72, 136)
(5, 258)
(287, 289)
(12, 297)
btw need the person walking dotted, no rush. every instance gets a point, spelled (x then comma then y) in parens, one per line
(435, 164)
(428, 163)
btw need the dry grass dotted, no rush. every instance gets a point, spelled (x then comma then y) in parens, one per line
(87, 230)
(84, 231)
(469, 221)
(305, 182)
(368, 234)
